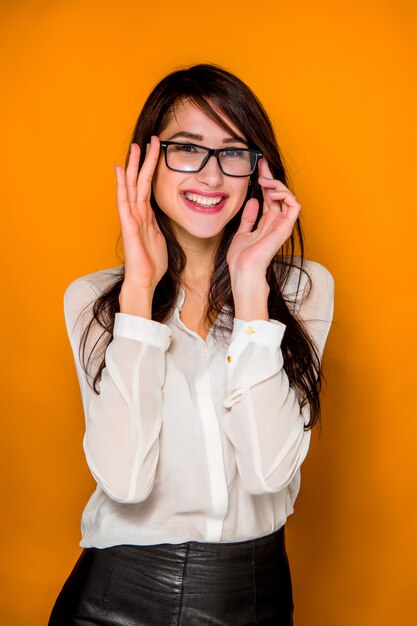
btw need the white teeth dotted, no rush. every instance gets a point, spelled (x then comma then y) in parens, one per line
(202, 199)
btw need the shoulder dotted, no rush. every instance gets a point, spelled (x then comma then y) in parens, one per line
(316, 271)
(309, 293)
(310, 281)
(84, 290)
(95, 282)
(320, 276)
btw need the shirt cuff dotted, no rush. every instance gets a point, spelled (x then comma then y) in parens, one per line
(269, 333)
(142, 329)
(254, 354)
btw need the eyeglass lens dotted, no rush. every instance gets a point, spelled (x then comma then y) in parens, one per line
(189, 158)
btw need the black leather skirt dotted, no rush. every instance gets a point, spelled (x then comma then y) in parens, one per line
(235, 584)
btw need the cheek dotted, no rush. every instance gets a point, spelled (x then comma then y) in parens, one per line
(157, 176)
(161, 184)
(241, 193)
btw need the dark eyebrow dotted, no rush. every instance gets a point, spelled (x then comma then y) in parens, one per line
(234, 139)
(183, 133)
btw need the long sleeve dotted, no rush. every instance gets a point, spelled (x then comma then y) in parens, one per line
(123, 421)
(264, 421)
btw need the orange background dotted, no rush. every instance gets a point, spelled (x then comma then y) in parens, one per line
(337, 80)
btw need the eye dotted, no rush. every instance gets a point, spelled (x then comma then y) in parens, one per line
(234, 153)
(185, 148)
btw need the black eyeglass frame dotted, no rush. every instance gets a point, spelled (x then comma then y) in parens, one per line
(210, 152)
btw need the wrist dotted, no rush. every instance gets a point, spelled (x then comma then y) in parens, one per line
(136, 301)
(251, 298)
(248, 284)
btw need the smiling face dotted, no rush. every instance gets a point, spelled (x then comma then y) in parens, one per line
(199, 204)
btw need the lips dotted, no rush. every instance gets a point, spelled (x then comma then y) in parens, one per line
(203, 200)
(206, 202)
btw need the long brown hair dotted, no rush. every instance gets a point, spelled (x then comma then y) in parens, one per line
(213, 89)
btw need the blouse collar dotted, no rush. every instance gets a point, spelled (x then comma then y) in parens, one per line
(180, 301)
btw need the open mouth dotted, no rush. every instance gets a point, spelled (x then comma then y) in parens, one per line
(203, 201)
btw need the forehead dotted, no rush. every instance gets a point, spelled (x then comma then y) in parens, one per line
(187, 116)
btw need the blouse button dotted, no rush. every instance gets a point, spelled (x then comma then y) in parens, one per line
(169, 338)
(229, 358)
(250, 330)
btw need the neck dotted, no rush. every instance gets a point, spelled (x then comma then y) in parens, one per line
(198, 281)
(199, 264)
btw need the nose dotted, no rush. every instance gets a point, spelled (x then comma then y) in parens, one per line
(211, 173)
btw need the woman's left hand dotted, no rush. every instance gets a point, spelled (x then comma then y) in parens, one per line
(250, 252)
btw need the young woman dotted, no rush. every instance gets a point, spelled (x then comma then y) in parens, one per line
(199, 367)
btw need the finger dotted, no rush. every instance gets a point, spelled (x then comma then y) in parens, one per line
(267, 181)
(278, 222)
(144, 183)
(286, 197)
(264, 169)
(289, 213)
(249, 215)
(132, 172)
(272, 186)
(266, 178)
(123, 204)
(155, 223)
(272, 196)
(279, 226)
(275, 239)
(271, 183)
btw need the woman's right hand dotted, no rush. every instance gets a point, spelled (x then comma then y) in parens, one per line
(145, 249)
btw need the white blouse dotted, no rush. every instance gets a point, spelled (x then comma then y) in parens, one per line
(192, 439)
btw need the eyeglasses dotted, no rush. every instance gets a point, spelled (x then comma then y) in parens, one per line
(189, 157)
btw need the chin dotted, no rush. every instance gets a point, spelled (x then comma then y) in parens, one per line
(205, 234)
(202, 232)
